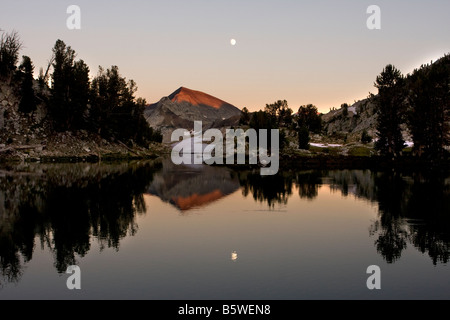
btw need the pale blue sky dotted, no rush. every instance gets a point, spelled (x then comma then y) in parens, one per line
(318, 52)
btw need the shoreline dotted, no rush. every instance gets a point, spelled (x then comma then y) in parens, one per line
(287, 161)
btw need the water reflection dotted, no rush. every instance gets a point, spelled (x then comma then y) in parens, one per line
(271, 189)
(64, 207)
(279, 188)
(234, 256)
(414, 209)
(192, 186)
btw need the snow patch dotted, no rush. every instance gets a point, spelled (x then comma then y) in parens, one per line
(321, 145)
(352, 109)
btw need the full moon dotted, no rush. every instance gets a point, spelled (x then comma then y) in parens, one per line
(233, 42)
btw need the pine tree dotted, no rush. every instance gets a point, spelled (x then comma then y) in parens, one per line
(285, 117)
(262, 120)
(115, 113)
(79, 94)
(344, 109)
(70, 89)
(309, 117)
(365, 137)
(303, 138)
(428, 117)
(390, 109)
(280, 113)
(10, 46)
(61, 83)
(28, 100)
(245, 117)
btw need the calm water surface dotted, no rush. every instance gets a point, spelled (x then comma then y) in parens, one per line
(159, 231)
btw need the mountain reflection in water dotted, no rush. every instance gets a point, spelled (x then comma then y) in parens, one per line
(64, 207)
(192, 186)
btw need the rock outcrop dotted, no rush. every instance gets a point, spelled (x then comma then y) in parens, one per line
(360, 116)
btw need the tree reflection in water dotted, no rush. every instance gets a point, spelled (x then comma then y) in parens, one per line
(63, 206)
(414, 208)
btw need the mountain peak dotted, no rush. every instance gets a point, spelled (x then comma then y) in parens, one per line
(185, 106)
(196, 98)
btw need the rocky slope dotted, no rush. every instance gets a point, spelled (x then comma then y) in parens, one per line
(361, 116)
(30, 137)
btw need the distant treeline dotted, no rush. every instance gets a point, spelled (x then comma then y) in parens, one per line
(278, 115)
(105, 105)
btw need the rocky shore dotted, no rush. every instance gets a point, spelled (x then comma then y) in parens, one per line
(74, 147)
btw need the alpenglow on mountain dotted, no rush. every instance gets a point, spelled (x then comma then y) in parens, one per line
(184, 106)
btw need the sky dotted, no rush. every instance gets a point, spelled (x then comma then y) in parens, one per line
(318, 52)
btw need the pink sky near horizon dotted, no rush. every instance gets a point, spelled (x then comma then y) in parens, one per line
(318, 52)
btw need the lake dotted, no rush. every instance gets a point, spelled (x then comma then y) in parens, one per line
(153, 230)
